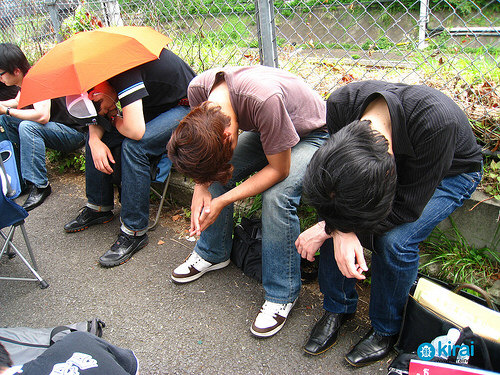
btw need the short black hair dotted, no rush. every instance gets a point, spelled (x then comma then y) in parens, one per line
(5, 360)
(351, 180)
(11, 58)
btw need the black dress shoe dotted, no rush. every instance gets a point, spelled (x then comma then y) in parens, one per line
(324, 334)
(371, 348)
(36, 197)
(86, 218)
(123, 249)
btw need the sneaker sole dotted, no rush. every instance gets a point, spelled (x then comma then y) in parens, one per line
(267, 334)
(184, 280)
(126, 259)
(82, 228)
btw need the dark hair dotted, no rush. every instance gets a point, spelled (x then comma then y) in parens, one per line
(12, 58)
(199, 148)
(351, 180)
(5, 360)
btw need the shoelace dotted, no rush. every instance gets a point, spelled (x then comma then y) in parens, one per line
(194, 259)
(122, 238)
(271, 308)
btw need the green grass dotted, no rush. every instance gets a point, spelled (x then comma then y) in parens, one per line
(459, 262)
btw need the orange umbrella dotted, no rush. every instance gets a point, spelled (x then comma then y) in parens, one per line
(89, 58)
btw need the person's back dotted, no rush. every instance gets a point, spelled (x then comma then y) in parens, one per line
(77, 353)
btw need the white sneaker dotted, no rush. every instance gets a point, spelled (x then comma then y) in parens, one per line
(271, 318)
(194, 267)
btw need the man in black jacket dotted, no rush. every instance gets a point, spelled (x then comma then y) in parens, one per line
(400, 160)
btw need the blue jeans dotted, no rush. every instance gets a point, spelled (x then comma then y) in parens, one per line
(280, 223)
(136, 157)
(32, 138)
(395, 259)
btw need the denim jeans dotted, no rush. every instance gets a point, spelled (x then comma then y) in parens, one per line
(136, 157)
(395, 259)
(32, 138)
(280, 223)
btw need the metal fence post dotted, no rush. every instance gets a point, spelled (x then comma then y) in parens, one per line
(422, 23)
(266, 32)
(54, 17)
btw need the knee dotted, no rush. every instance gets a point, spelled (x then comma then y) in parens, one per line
(28, 127)
(397, 246)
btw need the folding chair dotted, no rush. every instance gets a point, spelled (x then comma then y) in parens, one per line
(162, 177)
(12, 216)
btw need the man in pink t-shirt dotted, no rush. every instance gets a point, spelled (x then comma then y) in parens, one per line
(249, 121)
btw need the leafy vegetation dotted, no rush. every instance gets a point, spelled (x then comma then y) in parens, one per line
(74, 161)
(459, 262)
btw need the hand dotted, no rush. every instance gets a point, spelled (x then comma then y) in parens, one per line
(210, 213)
(3, 109)
(201, 201)
(349, 255)
(310, 241)
(102, 156)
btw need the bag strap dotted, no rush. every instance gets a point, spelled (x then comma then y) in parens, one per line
(475, 288)
(57, 330)
(11, 341)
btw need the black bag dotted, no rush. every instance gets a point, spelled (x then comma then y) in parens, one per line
(246, 253)
(24, 344)
(421, 325)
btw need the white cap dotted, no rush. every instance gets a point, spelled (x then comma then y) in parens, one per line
(80, 106)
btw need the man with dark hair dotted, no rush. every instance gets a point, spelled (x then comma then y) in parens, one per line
(152, 98)
(31, 129)
(283, 123)
(76, 353)
(400, 160)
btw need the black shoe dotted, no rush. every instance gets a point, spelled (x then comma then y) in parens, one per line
(36, 197)
(86, 218)
(324, 334)
(371, 348)
(123, 249)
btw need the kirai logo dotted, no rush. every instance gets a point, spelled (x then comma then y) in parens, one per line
(427, 351)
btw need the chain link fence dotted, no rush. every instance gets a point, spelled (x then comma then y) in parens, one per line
(453, 45)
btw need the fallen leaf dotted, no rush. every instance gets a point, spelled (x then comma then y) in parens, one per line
(160, 242)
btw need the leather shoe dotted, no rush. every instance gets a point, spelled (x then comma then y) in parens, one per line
(371, 348)
(123, 249)
(36, 197)
(325, 332)
(86, 218)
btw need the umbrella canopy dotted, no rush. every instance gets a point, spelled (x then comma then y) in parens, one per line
(89, 58)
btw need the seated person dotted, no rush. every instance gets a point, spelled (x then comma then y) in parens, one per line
(77, 353)
(151, 97)
(400, 159)
(46, 124)
(283, 124)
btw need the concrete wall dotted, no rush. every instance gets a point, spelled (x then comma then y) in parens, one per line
(476, 222)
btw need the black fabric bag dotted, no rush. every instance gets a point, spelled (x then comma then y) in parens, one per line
(421, 325)
(246, 253)
(24, 344)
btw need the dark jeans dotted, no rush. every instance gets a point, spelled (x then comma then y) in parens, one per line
(394, 259)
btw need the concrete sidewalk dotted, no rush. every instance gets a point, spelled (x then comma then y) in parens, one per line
(198, 328)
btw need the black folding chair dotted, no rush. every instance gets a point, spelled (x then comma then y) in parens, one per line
(12, 217)
(162, 177)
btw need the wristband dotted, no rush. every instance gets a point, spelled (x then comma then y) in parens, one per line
(7, 111)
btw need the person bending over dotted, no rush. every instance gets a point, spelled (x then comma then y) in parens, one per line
(152, 99)
(282, 124)
(400, 160)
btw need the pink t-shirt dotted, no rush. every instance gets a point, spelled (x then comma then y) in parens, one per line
(275, 103)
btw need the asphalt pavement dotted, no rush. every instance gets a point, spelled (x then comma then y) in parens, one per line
(197, 328)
